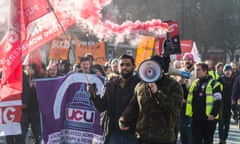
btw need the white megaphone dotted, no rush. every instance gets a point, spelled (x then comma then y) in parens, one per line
(174, 71)
(149, 71)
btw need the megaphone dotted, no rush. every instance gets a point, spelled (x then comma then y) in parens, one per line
(149, 71)
(173, 71)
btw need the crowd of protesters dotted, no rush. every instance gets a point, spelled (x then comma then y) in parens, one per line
(199, 125)
(197, 120)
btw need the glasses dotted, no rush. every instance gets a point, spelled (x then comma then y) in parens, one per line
(125, 64)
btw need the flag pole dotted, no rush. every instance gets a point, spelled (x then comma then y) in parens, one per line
(64, 31)
(52, 9)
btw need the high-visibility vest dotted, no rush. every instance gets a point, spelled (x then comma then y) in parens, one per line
(214, 74)
(209, 98)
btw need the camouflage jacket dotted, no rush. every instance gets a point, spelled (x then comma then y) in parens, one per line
(156, 114)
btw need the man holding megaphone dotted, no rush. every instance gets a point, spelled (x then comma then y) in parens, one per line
(155, 105)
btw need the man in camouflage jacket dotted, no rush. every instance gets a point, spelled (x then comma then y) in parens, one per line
(154, 107)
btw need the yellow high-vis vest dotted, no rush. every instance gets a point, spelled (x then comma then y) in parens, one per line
(209, 98)
(214, 74)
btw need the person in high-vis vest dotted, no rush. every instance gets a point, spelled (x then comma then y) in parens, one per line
(203, 105)
(185, 121)
(211, 69)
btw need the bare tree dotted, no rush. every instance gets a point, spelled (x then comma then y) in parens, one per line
(212, 24)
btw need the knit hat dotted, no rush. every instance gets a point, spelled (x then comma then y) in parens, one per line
(188, 56)
(227, 67)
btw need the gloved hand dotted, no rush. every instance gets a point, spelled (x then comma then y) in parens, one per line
(92, 89)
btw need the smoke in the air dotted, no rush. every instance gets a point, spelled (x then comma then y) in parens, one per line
(4, 14)
(89, 17)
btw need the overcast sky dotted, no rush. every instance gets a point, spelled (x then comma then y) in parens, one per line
(4, 10)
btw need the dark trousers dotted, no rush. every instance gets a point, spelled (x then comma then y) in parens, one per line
(203, 131)
(185, 130)
(116, 138)
(33, 119)
(13, 139)
(223, 125)
(146, 142)
(155, 143)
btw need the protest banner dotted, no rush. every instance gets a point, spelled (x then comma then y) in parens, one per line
(60, 48)
(145, 49)
(174, 35)
(68, 116)
(97, 50)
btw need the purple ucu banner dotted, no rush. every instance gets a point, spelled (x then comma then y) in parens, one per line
(67, 114)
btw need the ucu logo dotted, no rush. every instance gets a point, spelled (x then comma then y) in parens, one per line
(73, 113)
(80, 115)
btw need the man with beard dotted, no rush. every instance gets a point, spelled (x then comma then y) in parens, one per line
(185, 121)
(188, 65)
(116, 95)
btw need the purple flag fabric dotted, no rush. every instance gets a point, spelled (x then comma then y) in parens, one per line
(67, 114)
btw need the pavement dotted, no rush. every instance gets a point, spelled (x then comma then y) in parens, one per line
(233, 136)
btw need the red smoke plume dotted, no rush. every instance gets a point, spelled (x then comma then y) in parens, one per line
(88, 13)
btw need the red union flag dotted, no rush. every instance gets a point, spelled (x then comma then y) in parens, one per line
(32, 23)
(39, 24)
(11, 82)
(42, 23)
(34, 9)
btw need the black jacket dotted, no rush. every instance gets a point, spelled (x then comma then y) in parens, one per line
(26, 93)
(113, 102)
(199, 100)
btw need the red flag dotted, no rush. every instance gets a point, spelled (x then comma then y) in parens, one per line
(34, 9)
(43, 24)
(11, 82)
(31, 24)
(186, 46)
